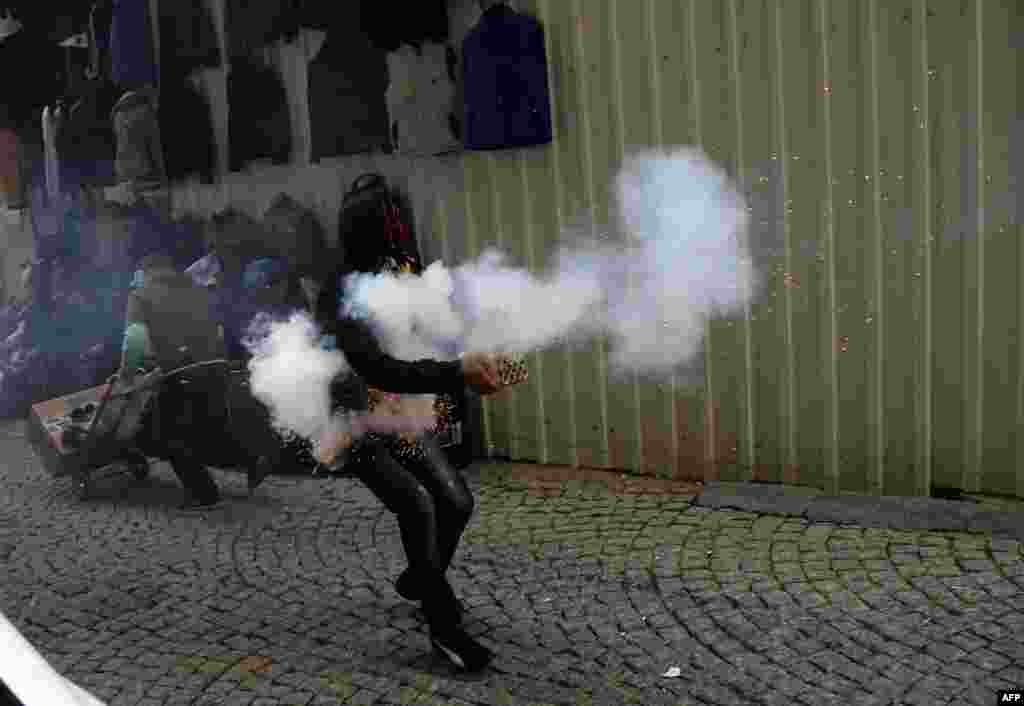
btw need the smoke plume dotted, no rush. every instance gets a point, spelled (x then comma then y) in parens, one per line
(291, 374)
(682, 258)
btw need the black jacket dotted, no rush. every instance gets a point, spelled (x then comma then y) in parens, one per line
(419, 21)
(33, 77)
(252, 24)
(188, 40)
(380, 22)
(86, 143)
(371, 364)
(348, 81)
(186, 131)
(259, 118)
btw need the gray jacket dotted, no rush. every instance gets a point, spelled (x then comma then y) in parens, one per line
(140, 158)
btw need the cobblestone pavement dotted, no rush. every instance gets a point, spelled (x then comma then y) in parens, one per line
(589, 592)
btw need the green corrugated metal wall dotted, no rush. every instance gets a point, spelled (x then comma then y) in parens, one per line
(877, 142)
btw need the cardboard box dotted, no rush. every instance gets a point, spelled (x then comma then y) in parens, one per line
(111, 427)
(47, 422)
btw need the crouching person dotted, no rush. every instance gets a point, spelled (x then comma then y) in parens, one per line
(177, 321)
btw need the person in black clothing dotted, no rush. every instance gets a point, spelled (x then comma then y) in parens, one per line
(178, 320)
(431, 499)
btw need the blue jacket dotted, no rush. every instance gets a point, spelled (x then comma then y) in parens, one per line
(132, 56)
(505, 76)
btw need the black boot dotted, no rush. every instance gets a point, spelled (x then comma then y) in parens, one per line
(460, 650)
(447, 638)
(408, 588)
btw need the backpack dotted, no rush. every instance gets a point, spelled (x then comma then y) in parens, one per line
(375, 228)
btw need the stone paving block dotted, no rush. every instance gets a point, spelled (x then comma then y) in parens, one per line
(937, 514)
(752, 498)
(861, 510)
(309, 585)
(1005, 524)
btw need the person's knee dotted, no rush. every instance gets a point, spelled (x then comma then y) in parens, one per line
(455, 494)
(400, 492)
(461, 504)
(422, 502)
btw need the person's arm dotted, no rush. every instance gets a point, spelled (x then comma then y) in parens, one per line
(379, 370)
(136, 339)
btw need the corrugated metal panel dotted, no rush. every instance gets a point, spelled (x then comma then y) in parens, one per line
(876, 143)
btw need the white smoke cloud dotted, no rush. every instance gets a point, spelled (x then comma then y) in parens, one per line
(690, 258)
(291, 374)
(683, 259)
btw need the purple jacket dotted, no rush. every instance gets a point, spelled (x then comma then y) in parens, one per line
(132, 56)
(505, 79)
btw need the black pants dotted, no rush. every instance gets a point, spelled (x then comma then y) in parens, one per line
(433, 504)
(188, 413)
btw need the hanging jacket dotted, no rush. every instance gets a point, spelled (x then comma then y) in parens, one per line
(417, 22)
(188, 40)
(132, 56)
(259, 120)
(186, 131)
(348, 113)
(46, 215)
(421, 99)
(10, 182)
(56, 20)
(51, 125)
(100, 18)
(252, 24)
(317, 14)
(86, 144)
(140, 159)
(33, 75)
(505, 78)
